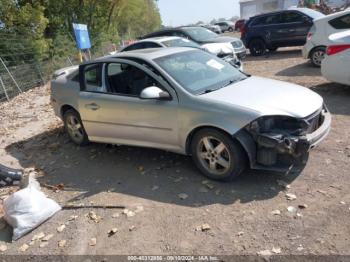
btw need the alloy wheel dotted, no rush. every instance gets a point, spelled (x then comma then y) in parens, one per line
(317, 57)
(214, 155)
(75, 129)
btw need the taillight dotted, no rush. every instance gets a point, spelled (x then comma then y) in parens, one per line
(309, 35)
(334, 49)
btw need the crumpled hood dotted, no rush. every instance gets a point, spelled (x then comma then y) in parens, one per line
(219, 48)
(269, 97)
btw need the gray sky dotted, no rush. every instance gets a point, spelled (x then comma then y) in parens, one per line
(181, 12)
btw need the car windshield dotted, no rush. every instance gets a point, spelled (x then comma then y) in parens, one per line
(181, 42)
(199, 72)
(312, 13)
(200, 33)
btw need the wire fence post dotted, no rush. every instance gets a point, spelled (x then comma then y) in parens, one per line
(40, 74)
(5, 91)
(2, 61)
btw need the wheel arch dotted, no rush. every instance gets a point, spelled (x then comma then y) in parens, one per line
(256, 38)
(314, 48)
(242, 137)
(65, 108)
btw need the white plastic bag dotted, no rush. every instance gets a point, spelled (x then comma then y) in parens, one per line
(27, 208)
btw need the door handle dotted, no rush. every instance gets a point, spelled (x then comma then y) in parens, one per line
(92, 106)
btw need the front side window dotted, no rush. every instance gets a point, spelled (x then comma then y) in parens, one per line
(93, 78)
(342, 22)
(125, 79)
(199, 72)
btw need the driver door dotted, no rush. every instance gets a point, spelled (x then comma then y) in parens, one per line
(120, 116)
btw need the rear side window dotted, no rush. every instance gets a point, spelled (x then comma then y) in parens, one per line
(134, 47)
(342, 22)
(291, 17)
(267, 20)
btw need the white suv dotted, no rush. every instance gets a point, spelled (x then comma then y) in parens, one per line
(318, 36)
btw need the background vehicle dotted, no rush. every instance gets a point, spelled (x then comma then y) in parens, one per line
(226, 26)
(222, 50)
(201, 36)
(239, 24)
(278, 29)
(318, 36)
(190, 102)
(214, 28)
(336, 64)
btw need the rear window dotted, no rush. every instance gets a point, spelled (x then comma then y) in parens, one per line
(291, 17)
(342, 22)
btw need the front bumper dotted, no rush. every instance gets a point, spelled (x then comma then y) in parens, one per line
(280, 152)
(241, 53)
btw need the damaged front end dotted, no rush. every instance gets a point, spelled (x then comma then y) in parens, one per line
(281, 142)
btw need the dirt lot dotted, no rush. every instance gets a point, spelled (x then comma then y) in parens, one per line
(242, 216)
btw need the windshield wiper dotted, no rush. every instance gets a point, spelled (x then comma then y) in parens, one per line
(206, 91)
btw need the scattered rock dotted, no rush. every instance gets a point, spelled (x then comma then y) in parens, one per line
(210, 186)
(300, 248)
(178, 179)
(264, 253)
(205, 227)
(283, 184)
(291, 197)
(241, 233)
(93, 241)
(47, 237)
(3, 248)
(203, 190)
(183, 196)
(23, 248)
(132, 228)
(72, 218)
(276, 212)
(62, 243)
(342, 203)
(276, 250)
(299, 215)
(60, 228)
(291, 209)
(112, 231)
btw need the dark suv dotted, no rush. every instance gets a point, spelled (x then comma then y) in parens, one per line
(278, 29)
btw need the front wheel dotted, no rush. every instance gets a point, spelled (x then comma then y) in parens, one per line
(217, 155)
(257, 47)
(230, 29)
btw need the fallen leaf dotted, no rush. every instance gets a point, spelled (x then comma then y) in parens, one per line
(93, 241)
(112, 231)
(183, 196)
(62, 243)
(38, 236)
(23, 248)
(47, 237)
(303, 206)
(61, 228)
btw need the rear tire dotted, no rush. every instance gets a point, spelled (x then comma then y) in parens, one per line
(317, 55)
(217, 155)
(74, 128)
(230, 29)
(257, 47)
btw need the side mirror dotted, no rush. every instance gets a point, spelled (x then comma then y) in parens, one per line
(154, 92)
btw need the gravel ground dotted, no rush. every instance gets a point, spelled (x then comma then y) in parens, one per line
(244, 217)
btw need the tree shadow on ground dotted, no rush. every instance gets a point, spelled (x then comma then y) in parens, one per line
(135, 171)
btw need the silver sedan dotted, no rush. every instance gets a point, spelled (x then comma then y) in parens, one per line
(191, 102)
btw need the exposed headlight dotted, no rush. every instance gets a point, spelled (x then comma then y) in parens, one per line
(280, 124)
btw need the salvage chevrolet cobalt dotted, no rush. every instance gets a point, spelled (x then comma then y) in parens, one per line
(191, 102)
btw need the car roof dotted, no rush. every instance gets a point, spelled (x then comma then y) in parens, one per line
(332, 16)
(147, 54)
(280, 12)
(179, 28)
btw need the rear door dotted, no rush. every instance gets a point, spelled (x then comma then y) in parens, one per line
(294, 28)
